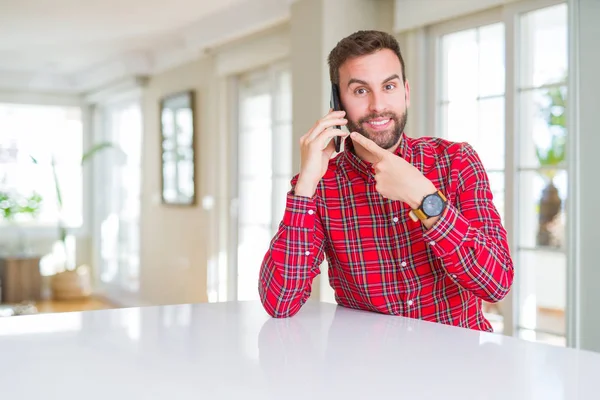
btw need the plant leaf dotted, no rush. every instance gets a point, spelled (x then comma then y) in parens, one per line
(56, 185)
(95, 148)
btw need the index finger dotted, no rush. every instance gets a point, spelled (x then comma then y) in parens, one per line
(369, 145)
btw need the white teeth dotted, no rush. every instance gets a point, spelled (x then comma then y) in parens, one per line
(379, 122)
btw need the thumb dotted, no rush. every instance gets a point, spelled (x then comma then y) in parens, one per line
(369, 145)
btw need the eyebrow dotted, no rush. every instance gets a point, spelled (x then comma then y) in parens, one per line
(390, 78)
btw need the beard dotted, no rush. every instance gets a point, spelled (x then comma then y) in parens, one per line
(384, 139)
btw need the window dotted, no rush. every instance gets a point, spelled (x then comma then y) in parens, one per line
(264, 170)
(523, 151)
(471, 106)
(471, 102)
(42, 133)
(541, 178)
(117, 204)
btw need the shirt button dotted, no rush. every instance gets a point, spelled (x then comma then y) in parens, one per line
(310, 212)
(395, 219)
(410, 303)
(432, 243)
(307, 253)
(403, 263)
(454, 276)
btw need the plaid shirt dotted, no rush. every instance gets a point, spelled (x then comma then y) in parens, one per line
(379, 259)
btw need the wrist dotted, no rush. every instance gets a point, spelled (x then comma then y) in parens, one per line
(415, 199)
(305, 188)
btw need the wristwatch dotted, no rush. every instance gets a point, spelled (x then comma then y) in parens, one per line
(432, 205)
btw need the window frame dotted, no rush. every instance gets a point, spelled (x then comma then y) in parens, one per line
(270, 72)
(509, 15)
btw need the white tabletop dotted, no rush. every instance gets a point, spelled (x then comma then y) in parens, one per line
(235, 351)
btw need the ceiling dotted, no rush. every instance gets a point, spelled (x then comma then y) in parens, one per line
(73, 45)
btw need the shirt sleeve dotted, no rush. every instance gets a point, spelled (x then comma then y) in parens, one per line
(293, 258)
(469, 238)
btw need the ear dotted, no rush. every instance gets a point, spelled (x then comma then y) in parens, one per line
(407, 93)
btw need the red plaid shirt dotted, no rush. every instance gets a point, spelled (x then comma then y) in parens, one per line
(382, 261)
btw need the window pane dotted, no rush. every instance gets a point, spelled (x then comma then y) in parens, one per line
(489, 142)
(497, 186)
(119, 204)
(543, 127)
(281, 186)
(255, 111)
(255, 153)
(479, 123)
(459, 121)
(264, 167)
(283, 97)
(460, 66)
(255, 201)
(253, 242)
(544, 46)
(45, 133)
(491, 60)
(282, 156)
(472, 106)
(542, 290)
(71, 194)
(541, 212)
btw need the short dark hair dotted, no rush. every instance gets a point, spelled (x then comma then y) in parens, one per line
(359, 44)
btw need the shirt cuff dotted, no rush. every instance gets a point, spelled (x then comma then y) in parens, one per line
(449, 232)
(300, 211)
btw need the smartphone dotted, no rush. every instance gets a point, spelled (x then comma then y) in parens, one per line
(336, 105)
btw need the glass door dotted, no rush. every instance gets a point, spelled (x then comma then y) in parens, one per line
(264, 168)
(117, 198)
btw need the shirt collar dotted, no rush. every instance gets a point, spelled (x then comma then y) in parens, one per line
(365, 168)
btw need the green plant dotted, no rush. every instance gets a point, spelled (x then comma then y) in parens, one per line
(89, 154)
(554, 113)
(13, 204)
(551, 156)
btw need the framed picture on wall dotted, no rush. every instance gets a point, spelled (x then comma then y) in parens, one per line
(178, 159)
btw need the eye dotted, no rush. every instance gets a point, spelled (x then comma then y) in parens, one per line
(360, 91)
(390, 86)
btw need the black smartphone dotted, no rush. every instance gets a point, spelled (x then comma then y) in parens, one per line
(336, 105)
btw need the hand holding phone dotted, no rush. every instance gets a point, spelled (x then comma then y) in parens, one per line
(336, 105)
(316, 150)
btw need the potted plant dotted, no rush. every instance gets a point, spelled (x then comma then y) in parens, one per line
(12, 205)
(75, 282)
(551, 158)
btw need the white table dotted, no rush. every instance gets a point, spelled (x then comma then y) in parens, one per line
(235, 351)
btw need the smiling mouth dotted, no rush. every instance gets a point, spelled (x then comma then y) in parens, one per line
(379, 123)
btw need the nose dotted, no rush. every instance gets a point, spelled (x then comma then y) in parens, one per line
(377, 102)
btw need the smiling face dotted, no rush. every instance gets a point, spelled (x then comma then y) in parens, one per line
(374, 96)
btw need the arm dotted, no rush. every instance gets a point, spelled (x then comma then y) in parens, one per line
(293, 258)
(295, 253)
(469, 238)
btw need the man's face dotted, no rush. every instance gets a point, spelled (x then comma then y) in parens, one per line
(374, 97)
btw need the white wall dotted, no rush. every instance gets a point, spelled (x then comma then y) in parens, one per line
(173, 239)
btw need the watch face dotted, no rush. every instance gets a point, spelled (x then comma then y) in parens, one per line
(433, 205)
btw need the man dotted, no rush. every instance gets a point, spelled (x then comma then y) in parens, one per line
(408, 225)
